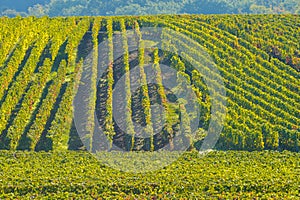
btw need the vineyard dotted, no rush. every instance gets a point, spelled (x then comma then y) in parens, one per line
(218, 175)
(42, 68)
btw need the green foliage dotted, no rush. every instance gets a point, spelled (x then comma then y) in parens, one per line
(34, 132)
(128, 113)
(138, 7)
(227, 48)
(59, 129)
(217, 175)
(109, 127)
(145, 99)
(93, 79)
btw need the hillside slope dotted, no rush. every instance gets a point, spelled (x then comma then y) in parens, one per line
(257, 56)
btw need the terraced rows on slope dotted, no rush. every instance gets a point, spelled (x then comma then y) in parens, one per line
(42, 67)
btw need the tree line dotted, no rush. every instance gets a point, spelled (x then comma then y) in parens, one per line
(138, 7)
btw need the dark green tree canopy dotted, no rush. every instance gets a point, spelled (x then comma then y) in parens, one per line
(139, 7)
